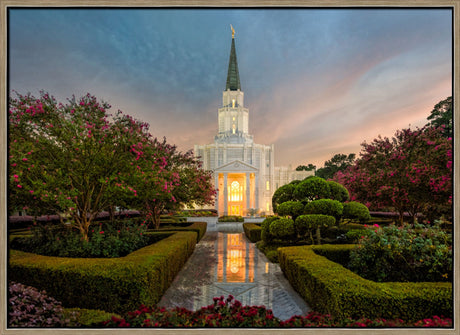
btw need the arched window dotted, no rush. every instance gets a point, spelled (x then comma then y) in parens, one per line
(235, 192)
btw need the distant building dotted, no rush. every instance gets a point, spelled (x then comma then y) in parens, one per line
(244, 172)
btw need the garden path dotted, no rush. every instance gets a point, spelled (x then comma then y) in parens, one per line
(226, 263)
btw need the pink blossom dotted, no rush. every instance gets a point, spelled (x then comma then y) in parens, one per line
(19, 186)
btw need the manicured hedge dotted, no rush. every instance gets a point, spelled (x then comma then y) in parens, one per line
(198, 227)
(330, 288)
(253, 231)
(112, 284)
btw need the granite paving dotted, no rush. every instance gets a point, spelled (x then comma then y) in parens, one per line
(226, 263)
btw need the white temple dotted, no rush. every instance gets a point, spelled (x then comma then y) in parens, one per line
(245, 175)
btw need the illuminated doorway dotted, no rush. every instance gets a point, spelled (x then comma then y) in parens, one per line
(235, 198)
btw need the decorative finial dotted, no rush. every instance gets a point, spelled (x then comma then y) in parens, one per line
(233, 31)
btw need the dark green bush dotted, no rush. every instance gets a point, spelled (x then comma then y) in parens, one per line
(283, 228)
(356, 211)
(283, 194)
(305, 225)
(338, 191)
(326, 207)
(111, 284)
(312, 188)
(253, 231)
(405, 253)
(265, 233)
(230, 218)
(291, 208)
(198, 227)
(105, 240)
(332, 289)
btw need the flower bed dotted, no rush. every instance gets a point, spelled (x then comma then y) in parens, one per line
(113, 285)
(330, 288)
(230, 313)
(230, 218)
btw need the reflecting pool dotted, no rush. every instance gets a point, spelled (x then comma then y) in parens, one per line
(227, 263)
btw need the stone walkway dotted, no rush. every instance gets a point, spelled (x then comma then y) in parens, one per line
(225, 262)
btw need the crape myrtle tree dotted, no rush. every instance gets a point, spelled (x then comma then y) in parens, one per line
(77, 160)
(411, 172)
(64, 158)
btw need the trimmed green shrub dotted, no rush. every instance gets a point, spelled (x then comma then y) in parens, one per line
(198, 227)
(356, 211)
(306, 224)
(283, 194)
(312, 188)
(325, 206)
(230, 218)
(338, 191)
(283, 228)
(88, 317)
(265, 233)
(253, 231)
(112, 284)
(291, 208)
(330, 288)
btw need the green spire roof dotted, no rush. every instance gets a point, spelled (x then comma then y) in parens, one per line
(233, 76)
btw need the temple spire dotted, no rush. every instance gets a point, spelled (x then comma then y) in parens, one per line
(233, 76)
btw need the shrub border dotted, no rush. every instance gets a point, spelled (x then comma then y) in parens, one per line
(110, 284)
(198, 227)
(252, 231)
(330, 288)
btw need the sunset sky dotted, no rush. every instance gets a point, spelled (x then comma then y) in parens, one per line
(317, 81)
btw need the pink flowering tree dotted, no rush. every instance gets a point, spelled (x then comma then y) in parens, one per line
(411, 172)
(67, 158)
(165, 178)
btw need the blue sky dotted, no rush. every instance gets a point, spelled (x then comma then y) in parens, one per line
(317, 81)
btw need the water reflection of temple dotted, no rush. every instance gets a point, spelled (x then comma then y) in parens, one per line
(238, 271)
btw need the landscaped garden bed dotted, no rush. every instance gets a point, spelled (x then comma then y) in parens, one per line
(109, 284)
(330, 288)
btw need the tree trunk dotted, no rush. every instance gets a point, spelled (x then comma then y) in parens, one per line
(318, 235)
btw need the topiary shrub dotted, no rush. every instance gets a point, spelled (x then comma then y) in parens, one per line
(283, 228)
(283, 194)
(291, 208)
(306, 224)
(356, 211)
(252, 231)
(28, 307)
(312, 188)
(338, 191)
(265, 234)
(326, 207)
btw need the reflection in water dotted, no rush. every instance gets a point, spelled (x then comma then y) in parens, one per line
(235, 259)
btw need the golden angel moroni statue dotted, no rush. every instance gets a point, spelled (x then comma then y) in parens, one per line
(233, 31)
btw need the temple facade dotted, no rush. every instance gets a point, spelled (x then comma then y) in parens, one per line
(244, 172)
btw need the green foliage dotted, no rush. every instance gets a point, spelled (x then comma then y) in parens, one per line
(104, 240)
(325, 206)
(312, 188)
(355, 235)
(338, 191)
(113, 284)
(253, 231)
(356, 211)
(309, 167)
(406, 253)
(283, 194)
(441, 116)
(306, 224)
(283, 228)
(290, 208)
(332, 289)
(338, 162)
(88, 317)
(198, 227)
(266, 236)
(230, 218)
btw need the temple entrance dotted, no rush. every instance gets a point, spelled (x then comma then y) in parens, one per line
(236, 195)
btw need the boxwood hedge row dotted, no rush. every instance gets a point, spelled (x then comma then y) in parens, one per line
(330, 288)
(198, 227)
(110, 284)
(253, 231)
